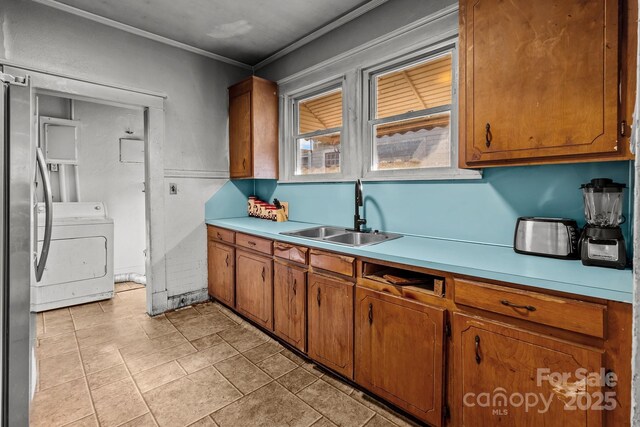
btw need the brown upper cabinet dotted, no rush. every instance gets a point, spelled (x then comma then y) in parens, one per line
(547, 81)
(253, 129)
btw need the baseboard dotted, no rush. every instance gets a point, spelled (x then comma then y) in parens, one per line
(183, 300)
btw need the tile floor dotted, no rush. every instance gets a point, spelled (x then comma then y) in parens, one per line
(110, 364)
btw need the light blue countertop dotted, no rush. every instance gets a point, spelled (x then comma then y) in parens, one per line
(473, 259)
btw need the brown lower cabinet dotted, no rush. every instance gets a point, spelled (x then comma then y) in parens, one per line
(254, 287)
(399, 352)
(222, 261)
(465, 357)
(330, 322)
(498, 365)
(289, 304)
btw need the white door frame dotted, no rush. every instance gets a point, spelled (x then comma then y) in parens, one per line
(153, 107)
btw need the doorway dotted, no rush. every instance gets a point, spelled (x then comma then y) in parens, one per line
(149, 107)
(95, 161)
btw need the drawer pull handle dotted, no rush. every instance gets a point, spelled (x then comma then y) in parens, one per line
(264, 273)
(295, 282)
(227, 260)
(488, 135)
(219, 235)
(370, 313)
(478, 358)
(251, 243)
(318, 297)
(345, 258)
(525, 307)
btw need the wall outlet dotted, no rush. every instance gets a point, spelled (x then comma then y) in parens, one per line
(173, 188)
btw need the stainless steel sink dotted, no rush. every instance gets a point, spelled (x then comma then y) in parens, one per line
(319, 233)
(342, 236)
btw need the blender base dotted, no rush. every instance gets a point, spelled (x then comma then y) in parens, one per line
(603, 247)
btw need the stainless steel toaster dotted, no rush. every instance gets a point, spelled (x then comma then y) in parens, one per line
(550, 237)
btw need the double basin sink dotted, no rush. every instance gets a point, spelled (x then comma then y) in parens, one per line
(342, 236)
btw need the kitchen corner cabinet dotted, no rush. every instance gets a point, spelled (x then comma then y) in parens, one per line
(289, 304)
(253, 129)
(254, 287)
(542, 82)
(399, 352)
(503, 361)
(222, 263)
(330, 322)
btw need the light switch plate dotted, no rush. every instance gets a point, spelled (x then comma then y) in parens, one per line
(173, 188)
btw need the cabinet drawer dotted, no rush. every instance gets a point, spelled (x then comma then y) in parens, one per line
(290, 252)
(341, 264)
(255, 243)
(216, 233)
(573, 315)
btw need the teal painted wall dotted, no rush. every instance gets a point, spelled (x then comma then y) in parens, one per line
(477, 210)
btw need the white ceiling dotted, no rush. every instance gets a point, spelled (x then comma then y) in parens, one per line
(244, 30)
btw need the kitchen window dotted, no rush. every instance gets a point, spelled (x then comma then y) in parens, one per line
(375, 118)
(317, 135)
(410, 118)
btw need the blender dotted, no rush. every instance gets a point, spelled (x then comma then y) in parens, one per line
(602, 243)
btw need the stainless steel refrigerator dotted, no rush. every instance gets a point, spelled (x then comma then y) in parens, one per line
(20, 161)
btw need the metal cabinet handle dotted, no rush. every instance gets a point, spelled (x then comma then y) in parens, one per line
(219, 235)
(478, 358)
(318, 297)
(227, 260)
(295, 283)
(264, 273)
(244, 163)
(251, 243)
(525, 307)
(370, 313)
(488, 136)
(48, 199)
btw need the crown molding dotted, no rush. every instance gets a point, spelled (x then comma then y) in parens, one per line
(447, 11)
(347, 17)
(142, 33)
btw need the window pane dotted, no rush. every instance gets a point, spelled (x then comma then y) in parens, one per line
(414, 88)
(423, 142)
(320, 112)
(320, 154)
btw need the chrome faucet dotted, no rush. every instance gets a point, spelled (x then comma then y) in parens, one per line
(357, 221)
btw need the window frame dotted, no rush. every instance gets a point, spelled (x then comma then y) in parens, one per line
(369, 121)
(291, 102)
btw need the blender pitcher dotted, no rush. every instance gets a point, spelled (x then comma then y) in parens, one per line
(602, 243)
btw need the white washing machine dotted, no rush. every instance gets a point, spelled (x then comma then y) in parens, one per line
(80, 264)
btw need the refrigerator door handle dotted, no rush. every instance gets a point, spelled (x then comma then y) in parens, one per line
(40, 263)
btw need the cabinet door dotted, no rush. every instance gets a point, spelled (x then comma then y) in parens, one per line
(399, 352)
(330, 323)
(497, 365)
(240, 158)
(289, 304)
(222, 272)
(254, 287)
(539, 79)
